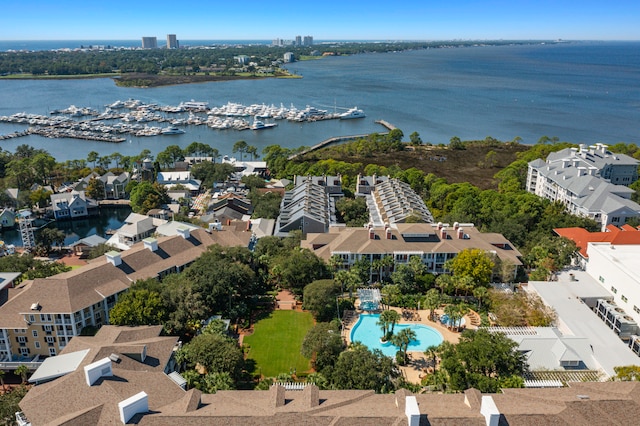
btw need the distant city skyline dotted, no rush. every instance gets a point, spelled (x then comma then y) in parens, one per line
(328, 20)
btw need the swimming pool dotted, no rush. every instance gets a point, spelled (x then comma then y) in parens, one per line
(367, 332)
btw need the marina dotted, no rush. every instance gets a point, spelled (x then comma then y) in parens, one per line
(135, 118)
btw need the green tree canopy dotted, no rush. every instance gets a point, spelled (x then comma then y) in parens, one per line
(322, 344)
(360, 368)
(482, 360)
(215, 353)
(146, 196)
(474, 263)
(320, 298)
(138, 307)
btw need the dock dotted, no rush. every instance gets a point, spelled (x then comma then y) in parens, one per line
(339, 139)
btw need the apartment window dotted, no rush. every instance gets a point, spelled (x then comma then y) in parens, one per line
(601, 279)
(47, 328)
(22, 340)
(614, 290)
(32, 318)
(24, 351)
(636, 309)
(46, 317)
(52, 351)
(615, 219)
(50, 339)
(624, 299)
(35, 333)
(37, 345)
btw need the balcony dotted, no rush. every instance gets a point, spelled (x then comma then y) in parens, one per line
(11, 363)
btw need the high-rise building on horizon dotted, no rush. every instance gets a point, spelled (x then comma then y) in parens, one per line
(298, 40)
(307, 41)
(149, 42)
(172, 41)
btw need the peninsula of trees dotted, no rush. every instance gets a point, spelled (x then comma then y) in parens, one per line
(156, 67)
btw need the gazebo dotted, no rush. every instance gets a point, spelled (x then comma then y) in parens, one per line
(369, 299)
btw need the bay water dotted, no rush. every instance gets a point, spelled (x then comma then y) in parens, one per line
(581, 92)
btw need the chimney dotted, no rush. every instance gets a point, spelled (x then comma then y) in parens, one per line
(277, 395)
(215, 226)
(138, 403)
(489, 410)
(114, 258)
(372, 233)
(184, 232)
(248, 227)
(439, 225)
(412, 411)
(460, 233)
(456, 225)
(443, 233)
(150, 244)
(582, 171)
(311, 396)
(95, 370)
(388, 233)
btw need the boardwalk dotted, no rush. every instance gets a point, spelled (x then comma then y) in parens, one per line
(339, 139)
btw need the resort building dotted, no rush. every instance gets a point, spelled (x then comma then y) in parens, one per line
(433, 243)
(289, 57)
(590, 182)
(310, 205)
(172, 41)
(610, 259)
(149, 42)
(71, 205)
(396, 202)
(41, 316)
(124, 375)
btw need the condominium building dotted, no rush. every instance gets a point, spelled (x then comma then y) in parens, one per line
(590, 182)
(307, 40)
(149, 42)
(123, 375)
(433, 243)
(172, 41)
(41, 316)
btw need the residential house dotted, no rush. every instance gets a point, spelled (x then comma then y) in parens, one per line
(72, 205)
(7, 218)
(433, 243)
(136, 228)
(83, 246)
(174, 180)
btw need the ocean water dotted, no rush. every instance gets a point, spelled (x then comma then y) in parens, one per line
(584, 92)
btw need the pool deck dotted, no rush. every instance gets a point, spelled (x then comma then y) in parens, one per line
(418, 363)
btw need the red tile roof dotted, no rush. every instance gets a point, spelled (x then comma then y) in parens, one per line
(614, 235)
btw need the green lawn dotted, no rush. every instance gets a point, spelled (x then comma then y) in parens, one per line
(276, 341)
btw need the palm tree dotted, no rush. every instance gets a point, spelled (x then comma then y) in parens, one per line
(22, 371)
(432, 301)
(2, 373)
(384, 326)
(391, 317)
(403, 339)
(432, 352)
(241, 147)
(480, 293)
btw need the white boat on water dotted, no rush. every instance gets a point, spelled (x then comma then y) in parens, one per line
(352, 113)
(194, 105)
(172, 130)
(259, 125)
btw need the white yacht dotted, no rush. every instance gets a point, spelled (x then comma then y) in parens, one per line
(259, 125)
(352, 113)
(172, 130)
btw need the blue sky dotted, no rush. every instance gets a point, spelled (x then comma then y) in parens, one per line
(324, 19)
